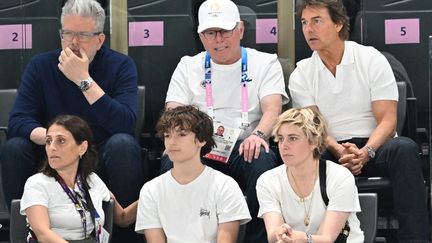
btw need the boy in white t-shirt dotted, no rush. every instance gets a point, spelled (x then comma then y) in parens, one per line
(191, 202)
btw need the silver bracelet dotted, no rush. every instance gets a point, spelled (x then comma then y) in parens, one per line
(309, 238)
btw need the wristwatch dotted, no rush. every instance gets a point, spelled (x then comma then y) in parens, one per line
(309, 238)
(371, 152)
(85, 84)
(260, 134)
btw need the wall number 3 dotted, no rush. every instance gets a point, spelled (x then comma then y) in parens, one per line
(146, 33)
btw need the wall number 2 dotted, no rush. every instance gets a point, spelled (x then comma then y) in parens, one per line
(15, 36)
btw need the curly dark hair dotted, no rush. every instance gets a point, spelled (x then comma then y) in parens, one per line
(188, 118)
(336, 11)
(81, 132)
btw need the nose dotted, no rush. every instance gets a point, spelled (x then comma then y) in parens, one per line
(219, 37)
(75, 39)
(51, 146)
(284, 144)
(169, 140)
(307, 27)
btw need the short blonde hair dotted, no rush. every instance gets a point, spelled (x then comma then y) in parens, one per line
(311, 123)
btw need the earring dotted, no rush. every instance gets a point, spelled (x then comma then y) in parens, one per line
(80, 156)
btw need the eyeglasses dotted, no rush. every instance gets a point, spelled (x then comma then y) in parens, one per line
(211, 34)
(68, 35)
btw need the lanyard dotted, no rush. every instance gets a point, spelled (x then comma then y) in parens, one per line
(80, 205)
(244, 90)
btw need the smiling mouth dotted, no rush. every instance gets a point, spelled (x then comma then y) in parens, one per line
(220, 48)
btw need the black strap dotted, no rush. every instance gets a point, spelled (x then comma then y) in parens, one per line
(322, 180)
(342, 237)
(91, 208)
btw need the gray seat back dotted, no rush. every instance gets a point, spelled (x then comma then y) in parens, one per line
(7, 99)
(402, 106)
(368, 215)
(140, 113)
(108, 208)
(18, 230)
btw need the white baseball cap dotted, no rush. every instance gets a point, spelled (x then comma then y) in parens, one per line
(222, 14)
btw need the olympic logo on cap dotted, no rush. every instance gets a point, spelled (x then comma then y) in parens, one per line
(214, 7)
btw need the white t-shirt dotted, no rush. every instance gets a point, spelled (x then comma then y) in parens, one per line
(364, 75)
(64, 218)
(187, 86)
(192, 212)
(275, 194)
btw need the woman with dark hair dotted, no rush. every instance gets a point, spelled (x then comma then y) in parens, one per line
(64, 201)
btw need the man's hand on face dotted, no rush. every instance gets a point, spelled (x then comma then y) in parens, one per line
(250, 147)
(74, 67)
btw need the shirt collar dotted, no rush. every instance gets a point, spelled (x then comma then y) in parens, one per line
(347, 57)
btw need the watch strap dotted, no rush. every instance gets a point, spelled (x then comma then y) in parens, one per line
(260, 134)
(309, 238)
(371, 152)
(85, 84)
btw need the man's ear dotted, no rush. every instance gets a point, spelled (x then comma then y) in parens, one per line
(338, 27)
(101, 40)
(241, 29)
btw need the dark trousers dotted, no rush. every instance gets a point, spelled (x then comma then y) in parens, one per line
(246, 174)
(120, 167)
(399, 160)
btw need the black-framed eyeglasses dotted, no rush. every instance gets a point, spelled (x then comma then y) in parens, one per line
(211, 34)
(68, 35)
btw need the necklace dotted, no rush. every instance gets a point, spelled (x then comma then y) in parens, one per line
(306, 219)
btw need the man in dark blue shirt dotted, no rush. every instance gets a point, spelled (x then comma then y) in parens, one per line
(87, 79)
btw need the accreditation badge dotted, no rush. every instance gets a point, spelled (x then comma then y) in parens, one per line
(105, 236)
(102, 235)
(225, 138)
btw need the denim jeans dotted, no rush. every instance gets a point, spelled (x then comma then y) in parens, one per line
(399, 160)
(246, 174)
(120, 167)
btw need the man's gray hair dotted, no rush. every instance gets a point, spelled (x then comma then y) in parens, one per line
(85, 8)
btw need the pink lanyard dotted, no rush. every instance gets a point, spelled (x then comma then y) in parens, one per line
(244, 89)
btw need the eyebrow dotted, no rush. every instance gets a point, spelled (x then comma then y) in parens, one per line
(56, 136)
(290, 135)
(315, 17)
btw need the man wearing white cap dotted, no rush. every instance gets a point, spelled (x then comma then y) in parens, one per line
(243, 90)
